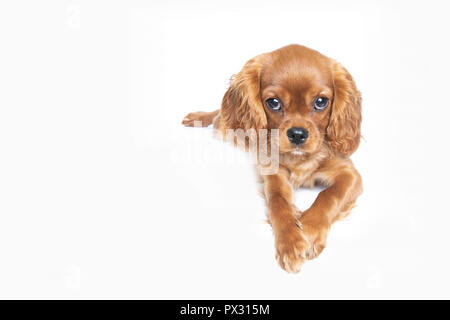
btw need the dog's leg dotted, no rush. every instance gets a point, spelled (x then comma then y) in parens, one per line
(331, 204)
(290, 244)
(203, 118)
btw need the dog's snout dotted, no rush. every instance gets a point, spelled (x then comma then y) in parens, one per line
(297, 135)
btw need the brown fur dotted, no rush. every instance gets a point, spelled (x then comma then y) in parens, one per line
(297, 75)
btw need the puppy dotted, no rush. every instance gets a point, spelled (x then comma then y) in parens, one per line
(312, 104)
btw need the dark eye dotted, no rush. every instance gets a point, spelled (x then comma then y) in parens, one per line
(274, 104)
(320, 103)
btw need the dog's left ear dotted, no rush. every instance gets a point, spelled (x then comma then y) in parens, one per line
(344, 127)
(241, 104)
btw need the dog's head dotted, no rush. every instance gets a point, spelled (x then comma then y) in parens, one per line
(309, 97)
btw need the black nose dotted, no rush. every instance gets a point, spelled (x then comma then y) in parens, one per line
(297, 135)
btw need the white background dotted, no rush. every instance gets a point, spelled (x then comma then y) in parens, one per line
(102, 191)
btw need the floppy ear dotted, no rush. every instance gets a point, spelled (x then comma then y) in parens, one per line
(344, 127)
(241, 104)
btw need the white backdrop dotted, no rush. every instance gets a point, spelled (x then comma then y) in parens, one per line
(103, 194)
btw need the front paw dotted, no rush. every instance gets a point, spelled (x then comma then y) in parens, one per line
(315, 228)
(291, 248)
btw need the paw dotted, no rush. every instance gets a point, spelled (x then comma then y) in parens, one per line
(188, 120)
(196, 119)
(316, 232)
(291, 248)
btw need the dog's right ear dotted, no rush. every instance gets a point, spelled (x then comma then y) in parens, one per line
(241, 104)
(344, 128)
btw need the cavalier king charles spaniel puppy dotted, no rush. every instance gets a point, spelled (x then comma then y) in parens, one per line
(315, 106)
